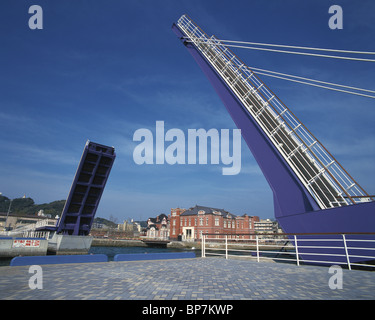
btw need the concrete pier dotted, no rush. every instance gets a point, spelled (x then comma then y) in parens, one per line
(14, 246)
(68, 244)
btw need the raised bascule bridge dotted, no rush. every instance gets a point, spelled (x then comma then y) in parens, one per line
(312, 192)
(70, 233)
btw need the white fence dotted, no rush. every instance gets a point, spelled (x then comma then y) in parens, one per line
(26, 234)
(352, 250)
(29, 230)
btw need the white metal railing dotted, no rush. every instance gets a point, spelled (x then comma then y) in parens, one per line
(30, 229)
(344, 249)
(321, 174)
(26, 234)
(46, 222)
(36, 234)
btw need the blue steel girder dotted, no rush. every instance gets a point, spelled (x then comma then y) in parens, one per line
(86, 190)
(289, 194)
(296, 166)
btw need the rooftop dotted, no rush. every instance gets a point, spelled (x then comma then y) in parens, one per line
(206, 210)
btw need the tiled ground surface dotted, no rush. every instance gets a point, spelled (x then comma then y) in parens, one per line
(193, 279)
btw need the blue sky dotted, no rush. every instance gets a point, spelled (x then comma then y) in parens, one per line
(100, 70)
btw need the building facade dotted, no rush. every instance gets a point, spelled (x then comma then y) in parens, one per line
(191, 224)
(267, 227)
(158, 228)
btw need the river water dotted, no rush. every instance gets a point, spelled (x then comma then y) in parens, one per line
(112, 251)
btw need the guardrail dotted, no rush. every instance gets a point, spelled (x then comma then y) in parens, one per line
(31, 227)
(26, 234)
(36, 234)
(350, 249)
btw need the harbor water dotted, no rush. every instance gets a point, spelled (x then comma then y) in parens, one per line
(112, 251)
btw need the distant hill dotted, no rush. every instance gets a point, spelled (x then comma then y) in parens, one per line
(27, 206)
(106, 222)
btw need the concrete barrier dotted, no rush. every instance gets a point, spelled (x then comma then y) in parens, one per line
(14, 246)
(58, 259)
(153, 256)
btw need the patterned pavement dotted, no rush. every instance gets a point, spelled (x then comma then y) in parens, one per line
(184, 279)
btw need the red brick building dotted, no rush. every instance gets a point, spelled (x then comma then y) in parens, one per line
(192, 223)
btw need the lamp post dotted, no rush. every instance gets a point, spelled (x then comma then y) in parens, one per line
(6, 220)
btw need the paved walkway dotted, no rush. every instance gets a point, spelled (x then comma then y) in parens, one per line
(193, 279)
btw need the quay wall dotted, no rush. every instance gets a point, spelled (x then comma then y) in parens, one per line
(116, 243)
(10, 248)
(176, 244)
(139, 243)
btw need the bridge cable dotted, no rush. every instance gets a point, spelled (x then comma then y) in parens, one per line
(284, 76)
(286, 51)
(316, 85)
(299, 47)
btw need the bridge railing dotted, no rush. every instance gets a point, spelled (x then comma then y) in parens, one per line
(318, 170)
(31, 228)
(26, 234)
(351, 250)
(46, 222)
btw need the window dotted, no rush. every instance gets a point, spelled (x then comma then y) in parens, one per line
(225, 223)
(201, 221)
(207, 221)
(195, 221)
(216, 221)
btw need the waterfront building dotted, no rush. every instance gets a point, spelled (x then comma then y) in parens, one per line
(191, 224)
(158, 228)
(267, 226)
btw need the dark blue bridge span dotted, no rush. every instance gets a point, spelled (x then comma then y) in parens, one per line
(86, 190)
(312, 192)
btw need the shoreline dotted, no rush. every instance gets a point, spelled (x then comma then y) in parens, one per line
(140, 243)
(176, 244)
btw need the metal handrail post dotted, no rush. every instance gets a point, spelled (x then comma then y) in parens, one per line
(296, 246)
(203, 246)
(346, 252)
(256, 237)
(226, 247)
